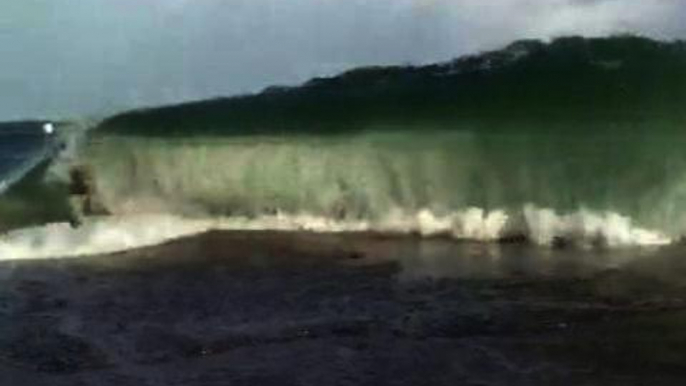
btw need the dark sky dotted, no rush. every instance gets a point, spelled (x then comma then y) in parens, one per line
(67, 58)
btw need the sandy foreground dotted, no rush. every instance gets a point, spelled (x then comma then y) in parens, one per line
(269, 308)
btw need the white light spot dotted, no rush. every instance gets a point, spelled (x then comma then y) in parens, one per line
(48, 128)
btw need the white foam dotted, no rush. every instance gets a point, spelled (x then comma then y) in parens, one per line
(48, 128)
(609, 228)
(542, 226)
(97, 236)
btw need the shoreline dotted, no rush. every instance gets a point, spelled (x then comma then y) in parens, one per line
(274, 308)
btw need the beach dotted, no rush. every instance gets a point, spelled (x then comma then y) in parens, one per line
(299, 308)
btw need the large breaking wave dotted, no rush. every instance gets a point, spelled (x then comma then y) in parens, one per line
(595, 190)
(574, 141)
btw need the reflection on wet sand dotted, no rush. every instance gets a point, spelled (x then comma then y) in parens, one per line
(275, 308)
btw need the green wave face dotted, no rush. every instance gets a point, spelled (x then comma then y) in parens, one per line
(367, 175)
(34, 200)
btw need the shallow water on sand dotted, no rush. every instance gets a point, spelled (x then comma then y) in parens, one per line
(275, 308)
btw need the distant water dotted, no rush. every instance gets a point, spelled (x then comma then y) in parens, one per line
(22, 145)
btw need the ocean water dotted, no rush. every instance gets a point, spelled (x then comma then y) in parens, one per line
(26, 195)
(607, 189)
(21, 145)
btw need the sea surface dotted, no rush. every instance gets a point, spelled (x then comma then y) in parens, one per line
(21, 145)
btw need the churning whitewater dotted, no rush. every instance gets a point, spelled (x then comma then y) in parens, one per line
(114, 234)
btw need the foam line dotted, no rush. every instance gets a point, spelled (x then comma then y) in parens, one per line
(541, 226)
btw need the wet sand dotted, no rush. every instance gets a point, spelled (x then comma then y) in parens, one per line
(269, 308)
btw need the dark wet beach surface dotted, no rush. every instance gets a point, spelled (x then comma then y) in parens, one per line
(265, 308)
